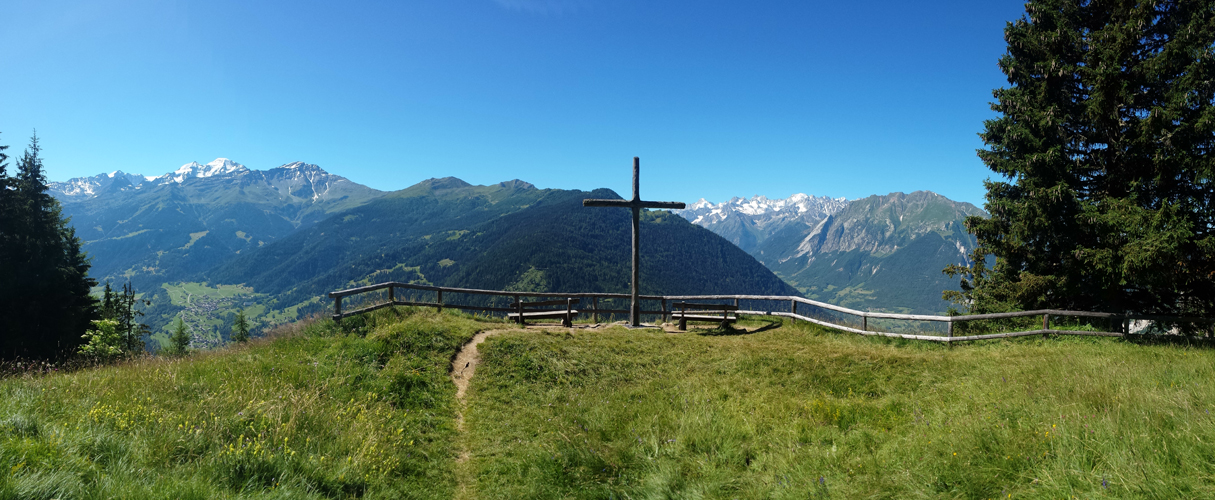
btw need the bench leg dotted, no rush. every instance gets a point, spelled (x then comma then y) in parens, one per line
(683, 323)
(567, 322)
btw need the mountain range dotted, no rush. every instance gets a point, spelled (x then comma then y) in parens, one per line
(880, 253)
(171, 226)
(206, 240)
(748, 222)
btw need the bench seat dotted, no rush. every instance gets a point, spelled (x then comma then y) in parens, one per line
(528, 310)
(555, 313)
(718, 313)
(701, 317)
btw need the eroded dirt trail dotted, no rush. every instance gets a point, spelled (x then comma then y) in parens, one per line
(465, 365)
(462, 370)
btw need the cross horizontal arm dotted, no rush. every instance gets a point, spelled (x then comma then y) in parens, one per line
(633, 204)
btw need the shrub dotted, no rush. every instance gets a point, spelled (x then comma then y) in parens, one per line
(102, 341)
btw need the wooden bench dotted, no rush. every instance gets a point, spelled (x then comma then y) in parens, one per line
(701, 312)
(529, 310)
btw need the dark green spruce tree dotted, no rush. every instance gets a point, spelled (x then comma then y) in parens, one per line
(109, 303)
(45, 306)
(179, 341)
(1104, 146)
(240, 326)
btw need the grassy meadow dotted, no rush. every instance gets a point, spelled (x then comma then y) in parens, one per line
(310, 413)
(788, 411)
(801, 412)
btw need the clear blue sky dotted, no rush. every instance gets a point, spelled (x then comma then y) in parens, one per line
(719, 99)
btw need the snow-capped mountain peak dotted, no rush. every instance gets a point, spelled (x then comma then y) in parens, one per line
(88, 187)
(81, 188)
(188, 168)
(299, 181)
(220, 166)
(732, 218)
(760, 205)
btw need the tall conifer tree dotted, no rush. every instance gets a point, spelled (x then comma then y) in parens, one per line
(240, 326)
(109, 305)
(45, 304)
(1104, 146)
(179, 341)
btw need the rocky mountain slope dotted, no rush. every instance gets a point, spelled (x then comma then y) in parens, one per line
(171, 226)
(748, 222)
(882, 253)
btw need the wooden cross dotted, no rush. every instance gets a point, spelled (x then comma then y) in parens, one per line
(636, 204)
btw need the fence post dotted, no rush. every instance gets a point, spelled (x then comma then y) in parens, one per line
(949, 333)
(1045, 324)
(440, 299)
(664, 310)
(864, 322)
(519, 309)
(392, 295)
(595, 310)
(337, 308)
(793, 309)
(683, 316)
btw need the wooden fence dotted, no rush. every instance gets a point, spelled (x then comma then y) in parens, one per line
(776, 308)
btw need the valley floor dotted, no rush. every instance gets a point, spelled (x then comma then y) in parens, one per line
(780, 411)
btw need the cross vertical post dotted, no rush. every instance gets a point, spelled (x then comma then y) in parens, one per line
(636, 204)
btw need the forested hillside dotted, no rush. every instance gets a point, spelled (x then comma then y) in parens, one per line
(507, 236)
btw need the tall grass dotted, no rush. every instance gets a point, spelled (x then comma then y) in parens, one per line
(800, 412)
(361, 411)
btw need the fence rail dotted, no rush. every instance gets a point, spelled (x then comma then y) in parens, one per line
(666, 300)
